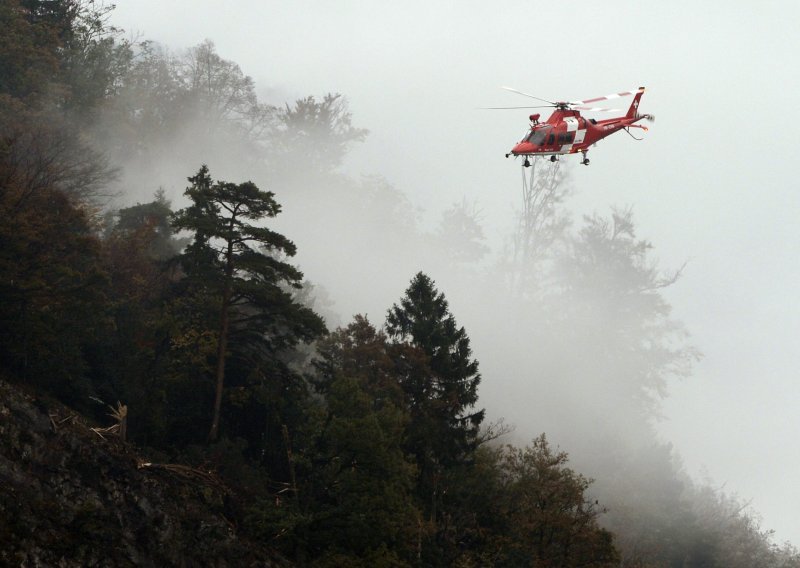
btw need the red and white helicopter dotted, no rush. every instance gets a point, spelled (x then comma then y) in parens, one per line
(567, 132)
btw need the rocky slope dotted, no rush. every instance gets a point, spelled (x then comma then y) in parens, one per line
(70, 496)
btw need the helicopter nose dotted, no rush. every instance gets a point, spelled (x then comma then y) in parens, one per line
(522, 148)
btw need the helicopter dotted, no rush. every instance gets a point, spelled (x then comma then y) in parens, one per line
(567, 132)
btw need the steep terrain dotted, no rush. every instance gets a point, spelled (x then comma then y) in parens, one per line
(70, 496)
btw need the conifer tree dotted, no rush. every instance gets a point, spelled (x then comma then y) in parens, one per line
(237, 264)
(423, 319)
(440, 381)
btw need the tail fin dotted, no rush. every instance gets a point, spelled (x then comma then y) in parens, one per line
(633, 112)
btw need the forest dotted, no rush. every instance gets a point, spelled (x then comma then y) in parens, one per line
(344, 442)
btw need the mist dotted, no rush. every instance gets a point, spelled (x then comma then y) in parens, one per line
(718, 212)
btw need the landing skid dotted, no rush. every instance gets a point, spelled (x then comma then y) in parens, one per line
(553, 158)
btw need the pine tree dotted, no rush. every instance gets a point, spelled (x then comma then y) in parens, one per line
(237, 264)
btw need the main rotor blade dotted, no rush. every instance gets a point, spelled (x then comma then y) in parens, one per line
(595, 109)
(527, 95)
(507, 108)
(608, 97)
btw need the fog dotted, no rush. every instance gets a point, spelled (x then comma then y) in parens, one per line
(709, 187)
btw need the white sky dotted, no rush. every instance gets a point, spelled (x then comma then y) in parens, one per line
(713, 183)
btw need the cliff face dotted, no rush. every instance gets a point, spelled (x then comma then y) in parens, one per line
(71, 497)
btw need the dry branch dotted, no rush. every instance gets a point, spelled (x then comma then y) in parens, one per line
(192, 473)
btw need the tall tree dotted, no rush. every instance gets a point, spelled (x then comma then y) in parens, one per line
(610, 308)
(423, 319)
(626, 333)
(238, 264)
(442, 393)
(540, 229)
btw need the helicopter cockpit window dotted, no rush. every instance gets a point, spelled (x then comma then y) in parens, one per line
(536, 137)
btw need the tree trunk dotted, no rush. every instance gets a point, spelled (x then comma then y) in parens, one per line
(222, 342)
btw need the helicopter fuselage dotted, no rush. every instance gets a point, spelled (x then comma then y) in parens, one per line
(567, 132)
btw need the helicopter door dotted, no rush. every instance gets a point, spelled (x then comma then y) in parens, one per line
(571, 134)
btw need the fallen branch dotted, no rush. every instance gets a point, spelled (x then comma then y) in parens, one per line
(110, 430)
(206, 477)
(56, 420)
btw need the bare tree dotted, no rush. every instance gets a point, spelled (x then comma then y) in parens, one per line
(222, 92)
(540, 225)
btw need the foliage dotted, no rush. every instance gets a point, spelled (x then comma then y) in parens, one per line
(440, 380)
(442, 399)
(60, 52)
(361, 481)
(94, 58)
(317, 132)
(130, 363)
(52, 281)
(550, 520)
(219, 91)
(53, 285)
(28, 55)
(608, 282)
(460, 236)
(236, 263)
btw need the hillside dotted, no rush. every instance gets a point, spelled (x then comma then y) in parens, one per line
(71, 497)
